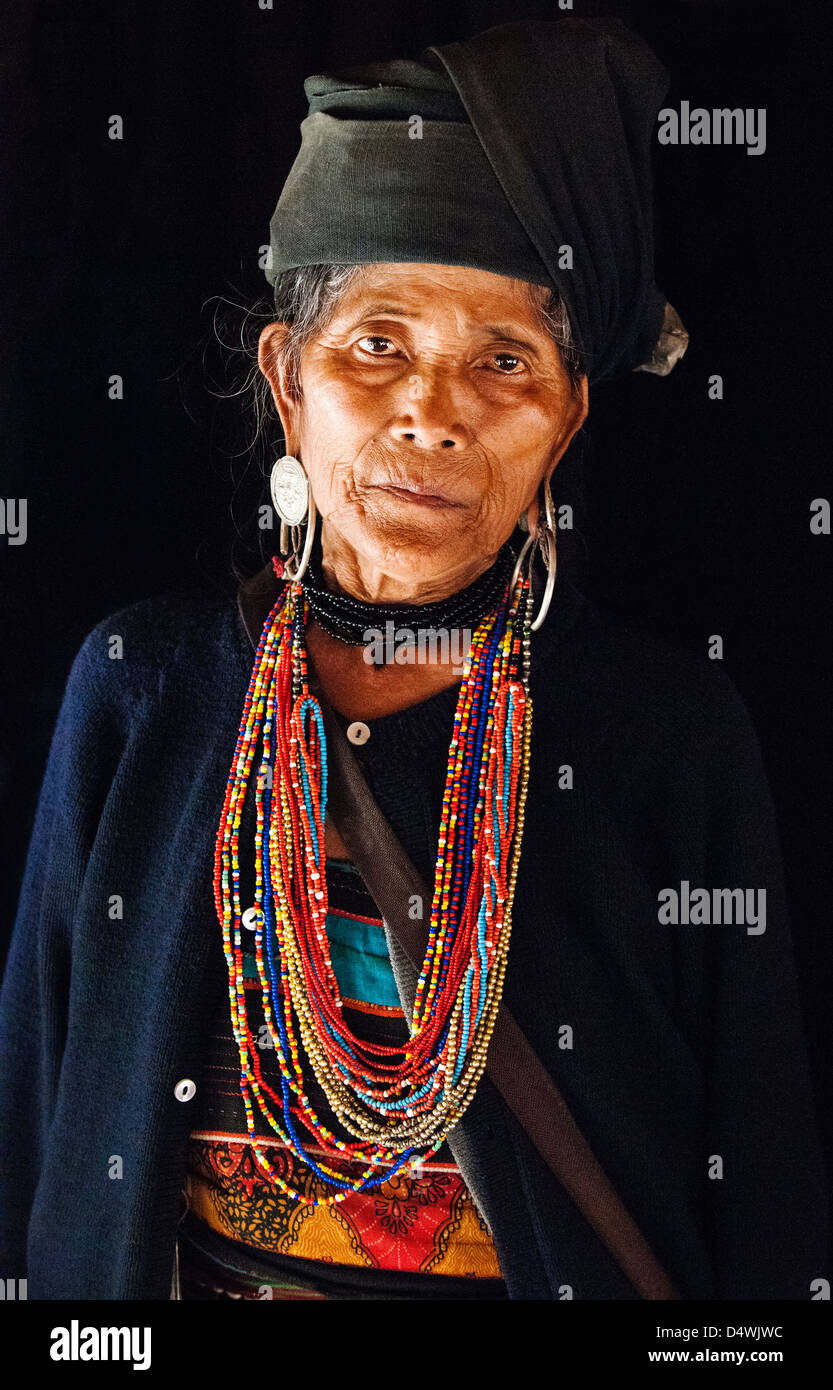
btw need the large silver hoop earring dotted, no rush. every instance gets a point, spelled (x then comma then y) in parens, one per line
(543, 538)
(293, 501)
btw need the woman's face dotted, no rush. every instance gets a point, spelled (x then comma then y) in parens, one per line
(431, 407)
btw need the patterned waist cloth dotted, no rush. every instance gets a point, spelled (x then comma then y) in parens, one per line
(418, 1235)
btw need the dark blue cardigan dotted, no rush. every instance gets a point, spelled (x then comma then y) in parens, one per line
(686, 1040)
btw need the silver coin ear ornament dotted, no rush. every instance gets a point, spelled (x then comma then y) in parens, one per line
(293, 501)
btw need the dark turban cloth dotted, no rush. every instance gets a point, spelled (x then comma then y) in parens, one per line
(497, 152)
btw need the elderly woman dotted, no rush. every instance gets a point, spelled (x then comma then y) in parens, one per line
(226, 1072)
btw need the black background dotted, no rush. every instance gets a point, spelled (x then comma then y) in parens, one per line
(692, 515)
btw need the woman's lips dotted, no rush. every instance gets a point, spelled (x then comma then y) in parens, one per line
(417, 496)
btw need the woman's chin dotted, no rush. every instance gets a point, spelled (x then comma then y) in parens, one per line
(416, 567)
(420, 545)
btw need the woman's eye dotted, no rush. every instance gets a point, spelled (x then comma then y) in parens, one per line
(375, 345)
(507, 362)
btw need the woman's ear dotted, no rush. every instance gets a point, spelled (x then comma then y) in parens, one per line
(274, 367)
(576, 414)
(574, 417)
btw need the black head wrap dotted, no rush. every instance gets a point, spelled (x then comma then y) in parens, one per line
(524, 150)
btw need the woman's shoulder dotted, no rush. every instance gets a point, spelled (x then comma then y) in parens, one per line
(134, 651)
(648, 686)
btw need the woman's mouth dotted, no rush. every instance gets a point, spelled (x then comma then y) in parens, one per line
(418, 496)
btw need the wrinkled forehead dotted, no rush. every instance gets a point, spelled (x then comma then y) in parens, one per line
(421, 293)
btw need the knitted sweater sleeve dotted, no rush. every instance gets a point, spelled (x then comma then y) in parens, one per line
(37, 979)
(763, 1173)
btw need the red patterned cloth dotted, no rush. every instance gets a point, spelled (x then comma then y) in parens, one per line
(424, 1223)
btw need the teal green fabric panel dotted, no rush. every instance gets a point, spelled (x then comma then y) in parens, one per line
(359, 953)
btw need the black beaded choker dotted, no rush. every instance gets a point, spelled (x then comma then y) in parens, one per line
(350, 619)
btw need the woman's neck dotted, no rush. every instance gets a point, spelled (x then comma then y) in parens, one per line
(361, 690)
(366, 679)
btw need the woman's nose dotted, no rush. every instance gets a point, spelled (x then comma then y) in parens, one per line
(429, 416)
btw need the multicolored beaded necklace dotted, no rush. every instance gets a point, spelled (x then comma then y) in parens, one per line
(397, 1105)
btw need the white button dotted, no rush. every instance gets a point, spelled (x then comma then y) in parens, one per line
(185, 1090)
(251, 918)
(358, 732)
